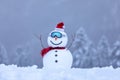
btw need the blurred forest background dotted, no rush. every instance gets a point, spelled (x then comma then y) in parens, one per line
(95, 23)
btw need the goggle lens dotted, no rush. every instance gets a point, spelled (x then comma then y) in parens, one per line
(56, 34)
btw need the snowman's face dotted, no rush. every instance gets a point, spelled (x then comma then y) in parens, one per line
(57, 39)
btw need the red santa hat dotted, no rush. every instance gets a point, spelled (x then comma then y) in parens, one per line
(60, 26)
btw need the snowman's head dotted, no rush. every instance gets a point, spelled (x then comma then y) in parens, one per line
(58, 38)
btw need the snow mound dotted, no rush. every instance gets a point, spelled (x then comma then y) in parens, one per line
(12, 72)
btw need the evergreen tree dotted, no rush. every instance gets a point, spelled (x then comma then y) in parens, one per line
(94, 56)
(28, 54)
(3, 55)
(115, 55)
(82, 58)
(103, 51)
(22, 56)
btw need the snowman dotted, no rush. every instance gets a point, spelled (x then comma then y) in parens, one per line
(57, 56)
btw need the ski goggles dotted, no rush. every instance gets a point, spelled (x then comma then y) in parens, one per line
(56, 34)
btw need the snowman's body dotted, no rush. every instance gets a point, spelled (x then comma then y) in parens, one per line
(57, 59)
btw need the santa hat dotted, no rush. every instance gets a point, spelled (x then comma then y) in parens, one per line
(60, 26)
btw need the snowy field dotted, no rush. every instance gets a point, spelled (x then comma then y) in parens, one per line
(13, 72)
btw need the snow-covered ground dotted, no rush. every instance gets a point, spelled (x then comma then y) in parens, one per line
(12, 72)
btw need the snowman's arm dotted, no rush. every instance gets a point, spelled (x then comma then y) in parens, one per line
(40, 38)
(73, 38)
(41, 41)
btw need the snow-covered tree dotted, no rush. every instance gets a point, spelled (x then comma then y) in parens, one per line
(103, 51)
(3, 55)
(21, 56)
(81, 49)
(33, 50)
(28, 54)
(115, 55)
(94, 55)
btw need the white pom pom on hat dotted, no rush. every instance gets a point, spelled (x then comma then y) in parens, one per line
(60, 26)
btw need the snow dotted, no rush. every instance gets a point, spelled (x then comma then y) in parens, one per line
(12, 72)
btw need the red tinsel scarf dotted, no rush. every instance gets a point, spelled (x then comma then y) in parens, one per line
(45, 50)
